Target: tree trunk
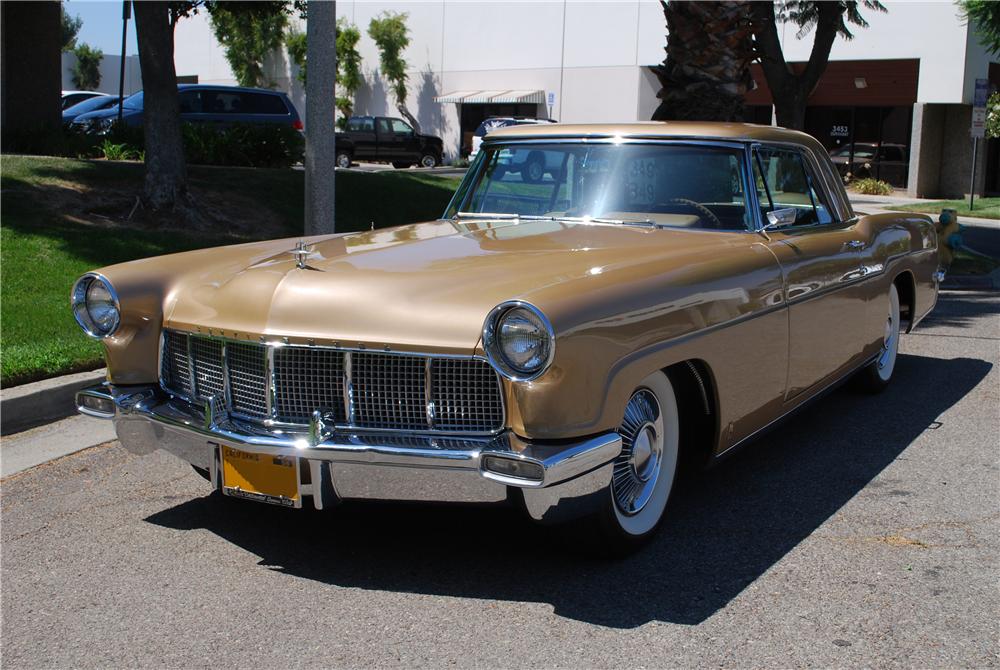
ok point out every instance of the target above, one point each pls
(706, 73)
(31, 80)
(166, 173)
(789, 90)
(321, 133)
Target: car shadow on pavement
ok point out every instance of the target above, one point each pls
(725, 527)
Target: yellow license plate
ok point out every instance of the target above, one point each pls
(261, 477)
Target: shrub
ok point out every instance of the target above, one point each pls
(239, 145)
(243, 145)
(87, 70)
(119, 151)
(871, 186)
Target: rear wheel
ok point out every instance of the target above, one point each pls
(643, 474)
(343, 159)
(877, 375)
(401, 165)
(533, 169)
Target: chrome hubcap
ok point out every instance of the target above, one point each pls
(638, 466)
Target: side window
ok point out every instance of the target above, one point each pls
(354, 125)
(383, 127)
(786, 181)
(263, 103)
(190, 102)
(401, 127)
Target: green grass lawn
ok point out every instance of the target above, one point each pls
(985, 208)
(61, 217)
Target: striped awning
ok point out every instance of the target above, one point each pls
(526, 96)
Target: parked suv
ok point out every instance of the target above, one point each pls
(205, 103)
(386, 139)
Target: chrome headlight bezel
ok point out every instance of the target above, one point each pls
(494, 350)
(81, 308)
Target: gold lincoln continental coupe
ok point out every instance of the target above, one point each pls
(565, 342)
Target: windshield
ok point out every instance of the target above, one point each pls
(134, 101)
(691, 186)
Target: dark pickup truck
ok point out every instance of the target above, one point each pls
(386, 140)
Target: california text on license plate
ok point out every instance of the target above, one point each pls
(261, 477)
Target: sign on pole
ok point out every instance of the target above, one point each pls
(979, 109)
(977, 131)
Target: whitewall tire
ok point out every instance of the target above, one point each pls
(877, 375)
(644, 473)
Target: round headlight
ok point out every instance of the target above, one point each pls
(519, 340)
(95, 305)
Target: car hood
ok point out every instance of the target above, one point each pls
(111, 112)
(421, 286)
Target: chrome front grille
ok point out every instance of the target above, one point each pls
(353, 389)
(307, 379)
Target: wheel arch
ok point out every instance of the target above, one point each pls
(907, 288)
(697, 406)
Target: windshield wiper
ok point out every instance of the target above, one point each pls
(571, 219)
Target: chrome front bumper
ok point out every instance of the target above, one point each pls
(567, 479)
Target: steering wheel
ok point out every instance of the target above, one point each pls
(701, 209)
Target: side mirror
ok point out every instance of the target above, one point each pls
(779, 218)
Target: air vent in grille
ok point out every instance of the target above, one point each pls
(359, 389)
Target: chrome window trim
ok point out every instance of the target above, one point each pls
(271, 345)
(833, 195)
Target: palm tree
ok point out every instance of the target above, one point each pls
(707, 69)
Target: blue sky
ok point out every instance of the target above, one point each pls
(102, 25)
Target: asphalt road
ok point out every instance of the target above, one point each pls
(865, 531)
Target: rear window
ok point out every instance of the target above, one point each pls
(361, 125)
(492, 124)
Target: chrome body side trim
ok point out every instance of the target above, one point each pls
(365, 465)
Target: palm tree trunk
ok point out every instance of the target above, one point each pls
(706, 73)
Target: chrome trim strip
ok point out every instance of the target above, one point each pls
(192, 386)
(428, 394)
(226, 392)
(349, 411)
(270, 403)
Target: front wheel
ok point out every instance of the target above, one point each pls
(428, 160)
(644, 472)
(877, 375)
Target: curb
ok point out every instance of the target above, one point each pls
(30, 405)
(988, 282)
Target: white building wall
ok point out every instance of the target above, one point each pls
(591, 55)
(929, 31)
(110, 72)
